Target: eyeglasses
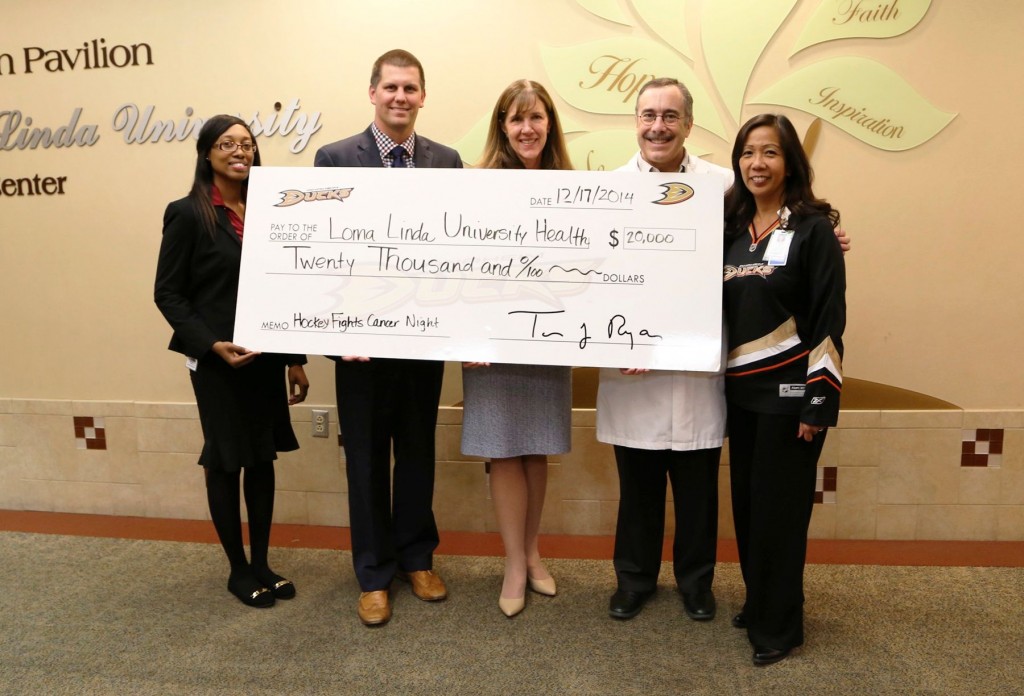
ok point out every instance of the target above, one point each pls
(669, 118)
(231, 146)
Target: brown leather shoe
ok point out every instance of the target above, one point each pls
(426, 584)
(374, 608)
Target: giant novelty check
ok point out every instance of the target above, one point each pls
(612, 269)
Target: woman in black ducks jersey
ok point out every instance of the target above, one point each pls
(785, 311)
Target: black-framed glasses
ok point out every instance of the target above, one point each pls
(669, 118)
(231, 146)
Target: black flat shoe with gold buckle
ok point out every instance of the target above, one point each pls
(282, 588)
(250, 592)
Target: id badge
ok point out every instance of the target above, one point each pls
(777, 252)
(191, 363)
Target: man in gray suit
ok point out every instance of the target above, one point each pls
(387, 402)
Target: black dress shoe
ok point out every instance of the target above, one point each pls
(700, 605)
(625, 604)
(769, 656)
(739, 621)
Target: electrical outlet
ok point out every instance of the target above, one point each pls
(321, 423)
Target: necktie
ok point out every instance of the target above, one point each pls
(398, 155)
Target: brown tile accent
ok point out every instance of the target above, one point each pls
(90, 433)
(979, 446)
(825, 485)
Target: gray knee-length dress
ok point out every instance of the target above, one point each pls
(516, 410)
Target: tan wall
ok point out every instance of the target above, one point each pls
(882, 475)
(933, 307)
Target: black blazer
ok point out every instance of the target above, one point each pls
(197, 279)
(361, 151)
(196, 285)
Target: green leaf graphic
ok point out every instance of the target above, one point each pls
(734, 35)
(603, 77)
(811, 138)
(665, 18)
(569, 124)
(862, 97)
(604, 150)
(875, 20)
(606, 9)
(471, 146)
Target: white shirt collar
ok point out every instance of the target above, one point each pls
(645, 166)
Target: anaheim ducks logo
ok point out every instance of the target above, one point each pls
(750, 269)
(675, 192)
(292, 196)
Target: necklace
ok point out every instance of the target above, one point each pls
(756, 238)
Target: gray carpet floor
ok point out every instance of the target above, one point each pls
(117, 616)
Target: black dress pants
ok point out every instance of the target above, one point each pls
(640, 531)
(382, 404)
(772, 472)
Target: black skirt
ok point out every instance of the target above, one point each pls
(243, 411)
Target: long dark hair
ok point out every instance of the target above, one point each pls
(203, 179)
(797, 194)
(498, 152)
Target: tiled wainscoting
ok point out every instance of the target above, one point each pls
(935, 475)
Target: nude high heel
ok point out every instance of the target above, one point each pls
(510, 606)
(545, 587)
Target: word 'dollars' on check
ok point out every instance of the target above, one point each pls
(611, 269)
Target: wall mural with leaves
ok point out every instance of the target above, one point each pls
(715, 48)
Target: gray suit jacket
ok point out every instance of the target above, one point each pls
(361, 151)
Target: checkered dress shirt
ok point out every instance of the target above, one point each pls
(386, 145)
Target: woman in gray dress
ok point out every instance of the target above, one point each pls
(516, 415)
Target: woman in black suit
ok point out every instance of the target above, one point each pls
(241, 394)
